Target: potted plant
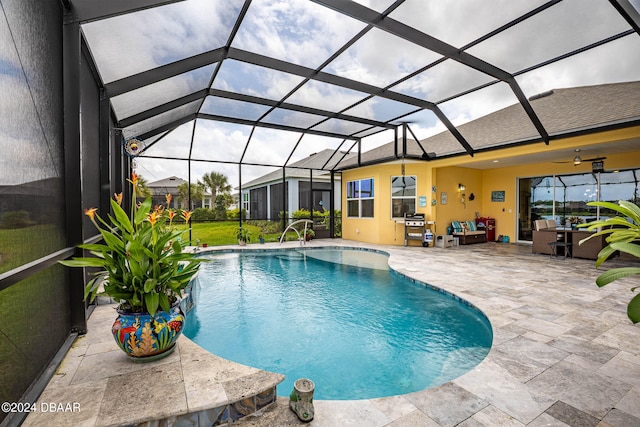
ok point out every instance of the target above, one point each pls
(573, 221)
(143, 268)
(243, 235)
(261, 238)
(309, 233)
(623, 234)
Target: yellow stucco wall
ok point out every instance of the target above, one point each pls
(382, 228)
(446, 174)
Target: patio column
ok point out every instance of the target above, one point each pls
(72, 57)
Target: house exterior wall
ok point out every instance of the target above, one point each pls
(382, 228)
(446, 174)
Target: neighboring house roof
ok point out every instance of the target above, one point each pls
(171, 182)
(300, 169)
(169, 185)
(561, 111)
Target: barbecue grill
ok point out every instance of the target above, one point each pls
(414, 229)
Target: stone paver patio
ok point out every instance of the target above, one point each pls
(564, 352)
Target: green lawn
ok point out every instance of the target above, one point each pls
(224, 233)
(19, 246)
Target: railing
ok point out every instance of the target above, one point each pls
(302, 239)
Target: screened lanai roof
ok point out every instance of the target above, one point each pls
(268, 82)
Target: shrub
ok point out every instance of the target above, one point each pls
(301, 214)
(234, 214)
(221, 207)
(203, 214)
(16, 219)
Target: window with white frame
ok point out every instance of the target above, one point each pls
(403, 195)
(360, 198)
(245, 201)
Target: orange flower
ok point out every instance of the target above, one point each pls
(186, 215)
(134, 179)
(118, 198)
(171, 213)
(167, 197)
(91, 213)
(153, 217)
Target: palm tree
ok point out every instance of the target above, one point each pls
(217, 183)
(197, 193)
(142, 191)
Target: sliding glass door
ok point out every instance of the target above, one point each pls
(565, 198)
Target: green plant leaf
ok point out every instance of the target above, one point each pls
(92, 287)
(151, 302)
(142, 211)
(113, 241)
(95, 247)
(164, 302)
(83, 262)
(627, 247)
(633, 309)
(604, 254)
(150, 284)
(631, 210)
(615, 274)
(121, 218)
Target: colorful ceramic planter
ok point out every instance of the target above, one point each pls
(144, 337)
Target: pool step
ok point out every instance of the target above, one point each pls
(292, 256)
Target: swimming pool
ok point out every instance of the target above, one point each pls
(337, 316)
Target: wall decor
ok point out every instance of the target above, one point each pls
(497, 196)
(443, 198)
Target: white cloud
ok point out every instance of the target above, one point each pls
(479, 103)
(558, 30)
(615, 62)
(325, 96)
(150, 96)
(462, 21)
(131, 43)
(297, 31)
(379, 58)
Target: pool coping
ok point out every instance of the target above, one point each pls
(562, 348)
(191, 386)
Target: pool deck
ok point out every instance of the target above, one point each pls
(563, 354)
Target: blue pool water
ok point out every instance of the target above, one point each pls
(339, 317)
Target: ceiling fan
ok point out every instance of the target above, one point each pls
(577, 159)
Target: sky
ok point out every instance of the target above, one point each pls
(305, 33)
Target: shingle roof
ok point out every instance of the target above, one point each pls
(561, 111)
(172, 181)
